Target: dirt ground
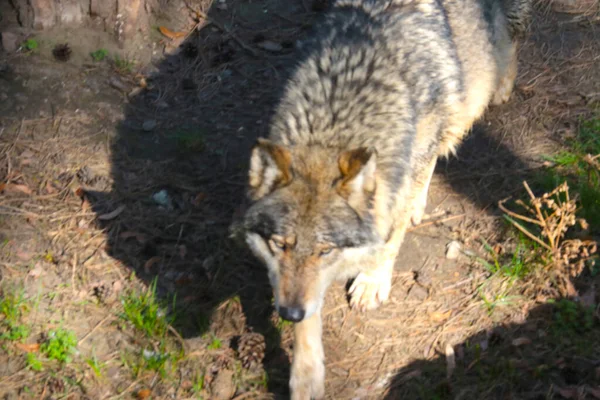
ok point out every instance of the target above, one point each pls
(119, 173)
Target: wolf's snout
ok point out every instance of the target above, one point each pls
(294, 314)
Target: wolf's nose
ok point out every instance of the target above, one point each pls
(294, 314)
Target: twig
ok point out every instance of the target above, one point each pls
(515, 215)
(529, 235)
(412, 228)
(540, 218)
(94, 329)
(73, 268)
(221, 27)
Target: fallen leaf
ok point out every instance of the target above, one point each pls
(522, 341)
(2, 186)
(184, 280)
(182, 251)
(36, 271)
(588, 299)
(594, 391)
(170, 34)
(140, 237)
(50, 189)
(567, 393)
(14, 188)
(113, 214)
(29, 348)
(450, 361)
(270, 46)
(198, 199)
(23, 255)
(143, 394)
(117, 286)
(438, 316)
(148, 264)
(79, 192)
(410, 375)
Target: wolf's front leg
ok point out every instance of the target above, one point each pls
(372, 287)
(308, 369)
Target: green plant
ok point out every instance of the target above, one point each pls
(198, 385)
(123, 65)
(146, 313)
(30, 44)
(579, 166)
(282, 324)
(99, 54)
(95, 365)
(572, 317)
(60, 345)
(514, 267)
(13, 306)
(190, 140)
(215, 344)
(33, 362)
(155, 361)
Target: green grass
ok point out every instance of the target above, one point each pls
(30, 45)
(123, 65)
(33, 362)
(582, 177)
(99, 55)
(13, 306)
(61, 345)
(513, 267)
(571, 318)
(146, 313)
(198, 384)
(190, 140)
(95, 365)
(215, 344)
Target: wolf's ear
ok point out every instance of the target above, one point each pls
(270, 167)
(358, 172)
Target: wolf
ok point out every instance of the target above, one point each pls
(381, 89)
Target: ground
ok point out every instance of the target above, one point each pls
(120, 179)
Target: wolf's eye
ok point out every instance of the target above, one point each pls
(278, 243)
(325, 251)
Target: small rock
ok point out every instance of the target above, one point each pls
(135, 92)
(162, 198)
(118, 84)
(223, 388)
(10, 42)
(149, 125)
(521, 341)
(270, 46)
(453, 250)
(417, 292)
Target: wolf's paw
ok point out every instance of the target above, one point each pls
(368, 291)
(417, 216)
(503, 92)
(308, 380)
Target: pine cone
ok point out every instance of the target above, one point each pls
(62, 52)
(103, 292)
(56, 385)
(251, 349)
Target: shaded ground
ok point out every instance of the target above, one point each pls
(119, 174)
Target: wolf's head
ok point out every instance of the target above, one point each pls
(311, 215)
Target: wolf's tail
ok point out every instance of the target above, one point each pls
(518, 14)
